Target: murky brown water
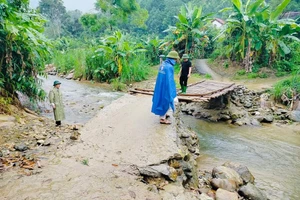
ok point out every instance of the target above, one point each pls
(82, 100)
(272, 153)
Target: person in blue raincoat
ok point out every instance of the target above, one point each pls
(165, 88)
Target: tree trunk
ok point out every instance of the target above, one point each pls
(247, 60)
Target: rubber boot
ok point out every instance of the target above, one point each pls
(184, 90)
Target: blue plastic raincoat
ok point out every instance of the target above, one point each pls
(165, 88)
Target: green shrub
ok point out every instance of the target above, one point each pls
(226, 64)
(288, 86)
(252, 75)
(290, 63)
(208, 76)
(263, 75)
(65, 61)
(4, 105)
(117, 85)
(136, 70)
(241, 72)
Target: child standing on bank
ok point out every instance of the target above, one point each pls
(185, 72)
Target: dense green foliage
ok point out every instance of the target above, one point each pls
(161, 13)
(96, 47)
(255, 36)
(117, 56)
(115, 15)
(189, 32)
(23, 49)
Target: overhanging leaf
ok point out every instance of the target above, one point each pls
(253, 7)
(279, 9)
(284, 47)
(238, 5)
(292, 37)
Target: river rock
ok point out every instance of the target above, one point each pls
(259, 118)
(159, 170)
(281, 111)
(242, 170)
(248, 104)
(268, 118)
(47, 142)
(20, 147)
(40, 142)
(149, 171)
(224, 117)
(75, 135)
(249, 191)
(70, 76)
(255, 122)
(5, 152)
(239, 122)
(227, 173)
(204, 196)
(173, 174)
(39, 137)
(225, 184)
(296, 105)
(52, 73)
(176, 192)
(295, 116)
(225, 195)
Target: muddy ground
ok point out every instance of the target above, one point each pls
(101, 164)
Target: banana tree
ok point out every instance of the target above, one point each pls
(190, 27)
(152, 47)
(253, 29)
(116, 52)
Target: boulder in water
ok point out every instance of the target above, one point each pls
(242, 170)
(268, 119)
(227, 173)
(295, 116)
(249, 191)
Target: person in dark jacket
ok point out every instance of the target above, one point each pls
(165, 88)
(185, 72)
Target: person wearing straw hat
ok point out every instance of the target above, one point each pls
(165, 88)
(55, 98)
(185, 72)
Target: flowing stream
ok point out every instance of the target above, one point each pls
(82, 100)
(272, 153)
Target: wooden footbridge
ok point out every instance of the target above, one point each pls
(201, 91)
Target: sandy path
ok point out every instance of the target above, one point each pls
(203, 68)
(253, 84)
(123, 135)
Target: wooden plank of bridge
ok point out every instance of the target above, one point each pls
(198, 92)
